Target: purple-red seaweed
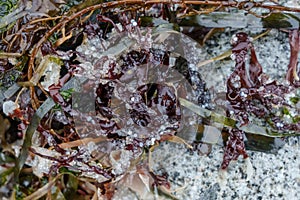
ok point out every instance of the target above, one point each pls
(249, 93)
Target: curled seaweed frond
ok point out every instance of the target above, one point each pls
(249, 94)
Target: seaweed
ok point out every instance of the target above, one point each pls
(89, 91)
(248, 93)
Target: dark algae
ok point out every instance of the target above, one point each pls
(90, 89)
(251, 95)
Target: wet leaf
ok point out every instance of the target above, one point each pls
(264, 144)
(34, 123)
(242, 20)
(281, 20)
(229, 122)
(207, 113)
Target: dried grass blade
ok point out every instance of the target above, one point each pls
(43, 190)
(228, 53)
(82, 142)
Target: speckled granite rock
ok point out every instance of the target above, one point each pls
(276, 176)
